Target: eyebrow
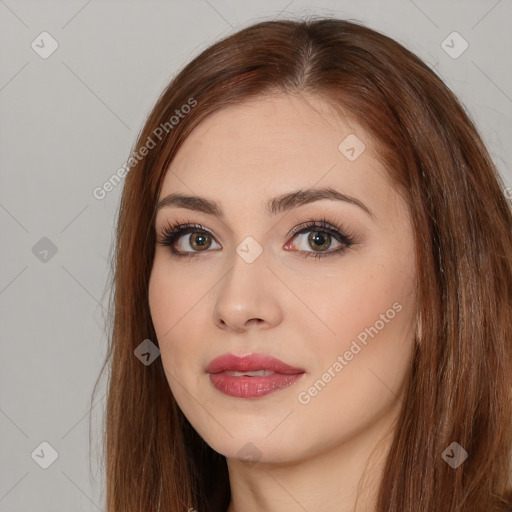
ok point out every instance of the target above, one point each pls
(280, 204)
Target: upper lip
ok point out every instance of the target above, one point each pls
(252, 362)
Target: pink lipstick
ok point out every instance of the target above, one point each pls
(251, 376)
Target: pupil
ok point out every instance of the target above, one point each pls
(199, 240)
(319, 239)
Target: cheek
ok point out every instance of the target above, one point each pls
(367, 294)
(175, 305)
(357, 376)
(161, 302)
(171, 298)
(167, 306)
(368, 321)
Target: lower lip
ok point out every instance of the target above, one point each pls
(252, 387)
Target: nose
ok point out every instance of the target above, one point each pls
(248, 297)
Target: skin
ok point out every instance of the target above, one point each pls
(303, 311)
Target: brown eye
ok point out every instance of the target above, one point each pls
(320, 239)
(318, 242)
(199, 241)
(321, 236)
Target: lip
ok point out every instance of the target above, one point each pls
(251, 362)
(251, 386)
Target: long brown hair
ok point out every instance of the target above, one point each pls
(460, 382)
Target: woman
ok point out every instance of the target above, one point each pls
(316, 240)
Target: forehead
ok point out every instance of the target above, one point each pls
(277, 128)
(274, 144)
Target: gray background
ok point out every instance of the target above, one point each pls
(69, 121)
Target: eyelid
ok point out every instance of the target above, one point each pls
(179, 229)
(175, 230)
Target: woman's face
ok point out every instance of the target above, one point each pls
(256, 278)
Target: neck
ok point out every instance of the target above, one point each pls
(344, 477)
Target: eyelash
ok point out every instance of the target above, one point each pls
(173, 231)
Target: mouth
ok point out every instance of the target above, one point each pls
(254, 373)
(250, 364)
(251, 376)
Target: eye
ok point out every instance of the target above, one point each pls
(199, 239)
(322, 235)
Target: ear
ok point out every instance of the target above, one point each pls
(419, 331)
